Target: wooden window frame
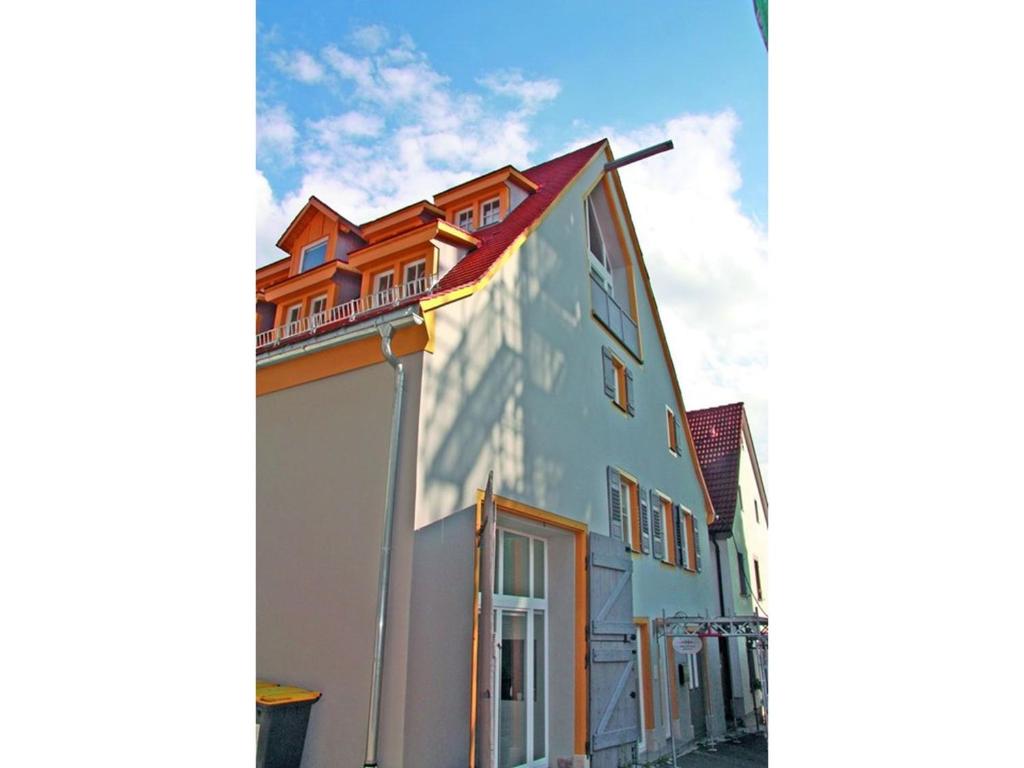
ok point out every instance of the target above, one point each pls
(413, 264)
(483, 205)
(621, 398)
(757, 579)
(689, 540)
(629, 487)
(643, 645)
(669, 530)
(314, 300)
(316, 244)
(458, 215)
(670, 424)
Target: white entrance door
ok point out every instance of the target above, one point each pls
(521, 632)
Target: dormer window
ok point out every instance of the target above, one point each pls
(415, 276)
(464, 220)
(314, 255)
(490, 212)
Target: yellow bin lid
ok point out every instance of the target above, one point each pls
(271, 694)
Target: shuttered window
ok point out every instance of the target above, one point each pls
(689, 541)
(667, 515)
(679, 539)
(672, 425)
(645, 522)
(618, 381)
(658, 526)
(625, 510)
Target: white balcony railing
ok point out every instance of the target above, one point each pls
(348, 310)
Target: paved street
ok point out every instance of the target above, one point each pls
(742, 752)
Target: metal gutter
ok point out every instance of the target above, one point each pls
(399, 319)
(386, 328)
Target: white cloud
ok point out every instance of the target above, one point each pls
(371, 37)
(532, 93)
(707, 259)
(275, 135)
(330, 131)
(403, 133)
(300, 66)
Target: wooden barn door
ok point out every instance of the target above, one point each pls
(614, 680)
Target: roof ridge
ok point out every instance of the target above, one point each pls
(591, 146)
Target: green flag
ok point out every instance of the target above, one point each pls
(761, 12)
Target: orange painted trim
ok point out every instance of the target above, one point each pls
(709, 508)
(419, 236)
(691, 543)
(376, 230)
(308, 280)
(314, 205)
(334, 360)
(581, 670)
(476, 200)
(645, 670)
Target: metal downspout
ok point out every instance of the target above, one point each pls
(373, 719)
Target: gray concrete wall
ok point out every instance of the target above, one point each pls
(440, 638)
(321, 459)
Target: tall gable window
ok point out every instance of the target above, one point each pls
(314, 255)
(618, 382)
(598, 253)
(611, 274)
(490, 212)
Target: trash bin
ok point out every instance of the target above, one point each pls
(282, 714)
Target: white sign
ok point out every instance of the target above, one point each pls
(686, 645)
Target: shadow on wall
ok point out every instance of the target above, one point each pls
(503, 399)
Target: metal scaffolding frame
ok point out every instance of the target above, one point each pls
(753, 628)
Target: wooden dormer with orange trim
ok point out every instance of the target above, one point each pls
(485, 200)
(411, 257)
(400, 222)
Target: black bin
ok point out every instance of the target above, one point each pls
(282, 714)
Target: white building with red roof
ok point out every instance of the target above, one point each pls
(507, 329)
(739, 538)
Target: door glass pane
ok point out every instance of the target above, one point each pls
(512, 701)
(539, 686)
(515, 566)
(538, 568)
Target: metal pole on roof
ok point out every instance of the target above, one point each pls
(642, 154)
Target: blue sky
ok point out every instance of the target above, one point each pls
(371, 106)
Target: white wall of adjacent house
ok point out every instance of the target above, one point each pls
(749, 542)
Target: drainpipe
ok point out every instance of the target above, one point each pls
(384, 577)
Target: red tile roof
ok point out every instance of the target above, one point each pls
(551, 177)
(717, 433)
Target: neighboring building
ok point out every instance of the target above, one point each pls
(740, 536)
(524, 317)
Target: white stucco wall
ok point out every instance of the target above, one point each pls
(515, 385)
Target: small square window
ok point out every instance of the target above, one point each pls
(314, 255)
(489, 212)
